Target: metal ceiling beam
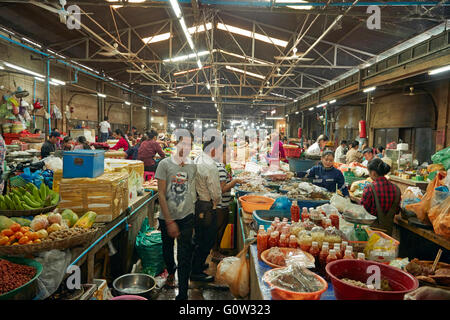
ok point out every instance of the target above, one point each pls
(212, 85)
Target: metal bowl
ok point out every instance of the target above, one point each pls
(365, 221)
(134, 284)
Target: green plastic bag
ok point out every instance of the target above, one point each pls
(149, 250)
(443, 157)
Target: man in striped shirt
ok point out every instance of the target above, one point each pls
(223, 209)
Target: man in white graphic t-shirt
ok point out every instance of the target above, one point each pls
(105, 127)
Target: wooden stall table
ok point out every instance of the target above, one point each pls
(130, 220)
(420, 243)
(403, 184)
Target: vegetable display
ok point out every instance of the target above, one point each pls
(29, 198)
(13, 276)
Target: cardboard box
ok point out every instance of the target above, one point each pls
(106, 195)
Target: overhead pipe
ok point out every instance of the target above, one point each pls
(72, 66)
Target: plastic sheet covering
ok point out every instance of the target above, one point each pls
(299, 258)
(294, 278)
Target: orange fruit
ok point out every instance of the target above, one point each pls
(7, 232)
(25, 229)
(12, 238)
(15, 227)
(29, 242)
(23, 240)
(3, 240)
(15, 244)
(37, 241)
(18, 235)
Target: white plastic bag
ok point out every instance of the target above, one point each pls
(235, 272)
(328, 209)
(339, 202)
(53, 163)
(447, 179)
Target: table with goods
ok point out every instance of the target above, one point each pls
(311, 244)
(43, 230)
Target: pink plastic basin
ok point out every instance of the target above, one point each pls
(401, 282)
(129, 297)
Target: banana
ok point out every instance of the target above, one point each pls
(30, 202)
(9, 203)
(36, 195)
(42, 192)
(55, 199)
(17, 202)
(3, 205)
(27, 207)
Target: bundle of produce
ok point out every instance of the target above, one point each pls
(29, 198)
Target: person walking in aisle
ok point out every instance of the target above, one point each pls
(209, 194)
(105, 127)
(148, 150)
(176, 188)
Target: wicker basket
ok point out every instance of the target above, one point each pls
(24, 213)
(50, 245)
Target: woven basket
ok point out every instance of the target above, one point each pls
(24, 213)
(49, 245)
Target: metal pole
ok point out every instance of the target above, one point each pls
(48, 97)
(369, 95)
(34, 100)
(303, 129)
(326, 121)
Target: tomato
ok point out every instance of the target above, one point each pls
(18, 235)
(15, 227)
(25, 229)
(32, 235)
(12, 238)
(3, 240)
(23, 240)
(37, 241)
(7, 232)
(28, 234)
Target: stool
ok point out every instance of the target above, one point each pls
(149, 175)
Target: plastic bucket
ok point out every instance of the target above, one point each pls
(296, 165)
(129, 297)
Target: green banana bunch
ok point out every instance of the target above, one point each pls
(29, 198)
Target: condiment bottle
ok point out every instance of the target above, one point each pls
(295, 212)
(337, 249)
(277, 236)
(261, 228)
(285, 220)
(348, 255)
(284, 242)
(324, 254)
(326, 223)
(343, 247)
(305, 214)
(262, 241)
(273, 241)
(331, 256)
(293, 242)
(277, 219)
(351, 251)
(270, 230)
(285, 230)
(305, 242)
(315, 251)
(361, 256)
(334, 220)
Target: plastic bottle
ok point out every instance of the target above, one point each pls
(295, 212)
(293, 242)
(326, 222)
(262, 241)
(315, 251)
(305, 242)
(277, 236)
(273, 241)
(261, 228)
(344, 245)
(351, 251)
(348, 255)
(361, 256)
(331, 256)
(334, 220)
(284, 242)
(285, 220)
(285, 231)
(270, 230)
(337, 250)
(277, 219)
(324, 254)
(305, 214)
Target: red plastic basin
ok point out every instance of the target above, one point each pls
(401, 282)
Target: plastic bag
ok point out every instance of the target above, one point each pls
(53, 163)
(34, 177)
(54, 263)
(57, 112)
(380, 249)
(339, 202)
(443, 157)
(360, 172)
(439, 216)
(447, 179)
(412, 193)
(235, 272)
(421, 208)
(149, 250)
(294, 278)
(328, 209)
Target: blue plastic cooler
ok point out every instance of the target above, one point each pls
(83, 163)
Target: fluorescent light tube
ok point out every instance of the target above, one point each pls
(439, 70)
(199, 63)
(250, 34)
(101, 95)
(310, 109)
(13, 66)
(369, 89)
(127, 103)
(157, 38)
(58, 81)
(176, 8)
(332, 101)
(245, 72)
(32, 42)
(274, 118)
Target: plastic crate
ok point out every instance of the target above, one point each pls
(83, 163)
(296, 165)
(293, 152)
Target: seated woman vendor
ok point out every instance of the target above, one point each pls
(382, 197)
(325, 175)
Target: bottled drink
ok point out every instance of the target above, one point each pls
(277, 236)
(326, 222)
(270, 230)
(284, 242)
(350, 248)
(285, 220)
(337, 250)
(285, 230)
(305, 214)
(324, 254)
(293, 242)
(315, 251)
(343, 247)
(261, 228)
(273, 241)
(361, 256)
(348, 255)
(334, 220)
(305, 242)
(276, 219)
(295, 212)
(262, 241)
(331, 256)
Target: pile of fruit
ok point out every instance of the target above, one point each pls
(44, 227)
(29, 198)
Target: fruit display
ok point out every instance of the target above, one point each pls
(13, 275)
(45, 227)
(29, 198)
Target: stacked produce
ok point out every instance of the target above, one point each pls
(44, 228)
(306, 191)
(13, 276)
(29, 198)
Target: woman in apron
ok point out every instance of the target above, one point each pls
(382, 197)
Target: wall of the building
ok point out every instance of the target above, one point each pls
(85, 106)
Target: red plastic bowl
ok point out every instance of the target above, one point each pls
(401, 282)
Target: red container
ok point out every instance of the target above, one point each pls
(401, 282)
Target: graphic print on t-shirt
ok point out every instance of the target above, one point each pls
(178, 188)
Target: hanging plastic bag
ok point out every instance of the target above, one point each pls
(421, 208)
(443, 157)
(34, 177)
(57, 112)
(149, 250)
(439, 216)
(235, 272)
